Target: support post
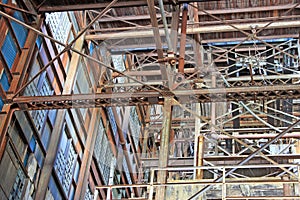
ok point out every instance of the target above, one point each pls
(174, 28)
(146, 134)
(158, 43)
(199, 147)
(183, 39)
(213, 109)
(286, 187)
(87, 156)
(164, 148)
(224, 184)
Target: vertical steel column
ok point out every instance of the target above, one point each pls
(57, 129)
(224, 184)
(298, 48)
(196, 41)
(183, 39)
(199, 139)
(164, 148)
(157, 39)
(125, 151)
(174, 28)
(87, 156)
(111, 179)
(199, 144)
(96, 194)
(146, 133)
(213, 104)
(164, 19)
(297, 185)
(286, 187)
(151, 189)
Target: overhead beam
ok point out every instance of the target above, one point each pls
(203, 29)
(92, 6)
(201, 13)
(152, 97)
(217, 160)
(229, 40)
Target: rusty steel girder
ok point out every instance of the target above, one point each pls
(154, 97)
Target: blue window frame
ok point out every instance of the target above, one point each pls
(4, 2)
(39, 41)
(5, 85)
(9, 50)
(1, 104)
(20, 31)
(4, 81)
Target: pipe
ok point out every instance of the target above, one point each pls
(164, 19)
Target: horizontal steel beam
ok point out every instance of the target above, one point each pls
(229, 79)
(203, 29)
(61, 6)
(219, 160)
(154, 97)
(213, 12)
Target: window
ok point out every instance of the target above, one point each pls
(65, 161)
(46, 135)
(17, 189)
(103, 153)
(39, 87)
(134, 126)
(56, 21)
(112, 121)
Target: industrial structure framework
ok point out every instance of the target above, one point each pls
(149, 99)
